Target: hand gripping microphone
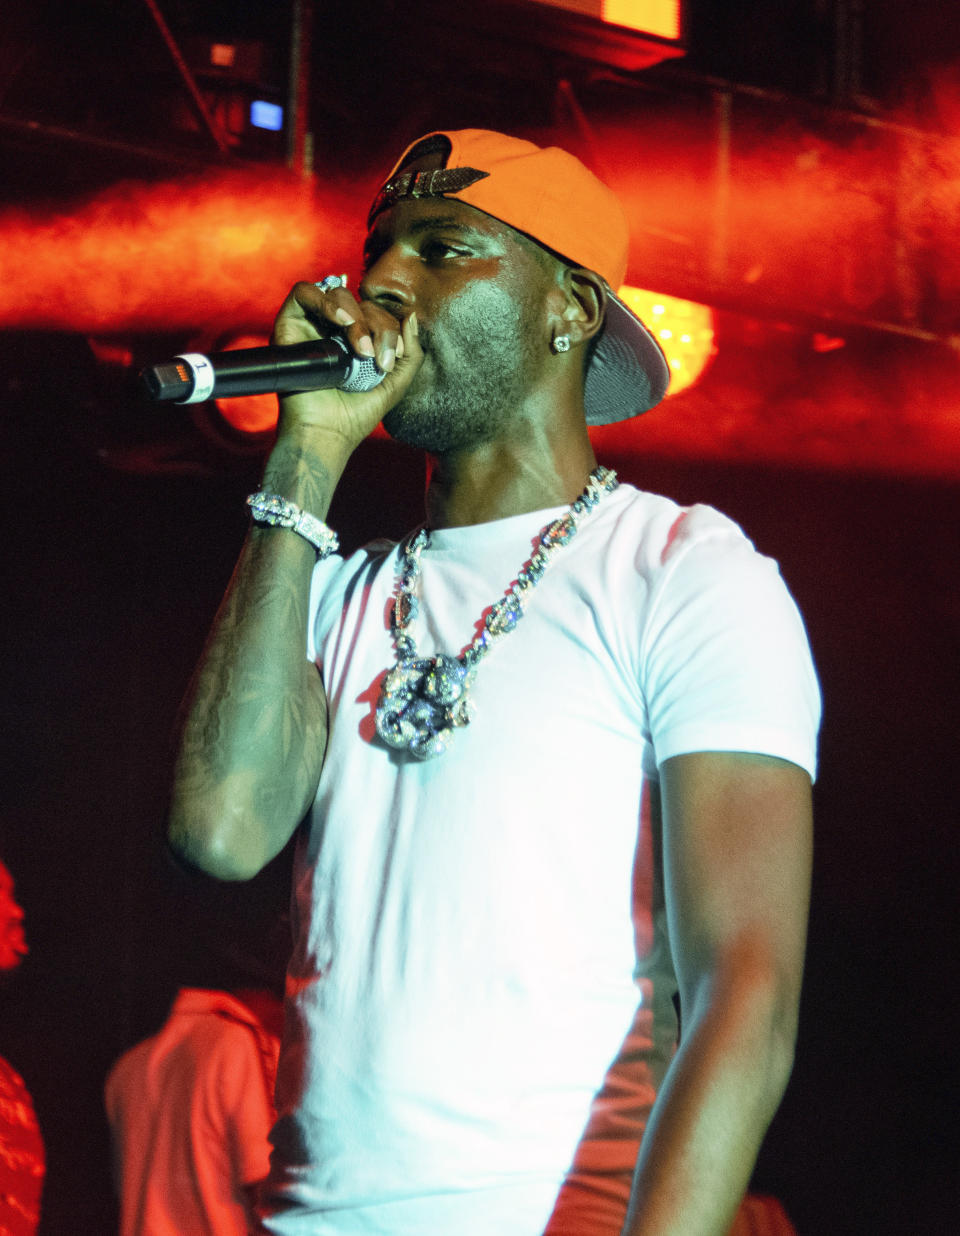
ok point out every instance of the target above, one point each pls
(317, 364)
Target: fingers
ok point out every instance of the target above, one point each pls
(370, 330)
(309, 313)
(409, 356)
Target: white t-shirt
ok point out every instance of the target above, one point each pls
(480, 992)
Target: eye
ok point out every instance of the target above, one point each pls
(437, 250)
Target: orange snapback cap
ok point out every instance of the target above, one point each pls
(551, 197)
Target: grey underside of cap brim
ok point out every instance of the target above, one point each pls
(628, 374)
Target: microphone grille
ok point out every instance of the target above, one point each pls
(362, 375)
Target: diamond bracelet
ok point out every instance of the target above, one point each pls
(278, 512)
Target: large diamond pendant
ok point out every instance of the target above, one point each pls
(421, 703)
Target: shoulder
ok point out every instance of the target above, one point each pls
(723, 659)
(654, 536)
(678, 549)
(655, 520)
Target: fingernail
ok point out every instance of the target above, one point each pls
(388, 359)
(344, 318)
(415, 325)
(365, 346)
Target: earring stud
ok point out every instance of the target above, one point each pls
(561, 344)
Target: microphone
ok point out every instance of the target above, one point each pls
(317, 364)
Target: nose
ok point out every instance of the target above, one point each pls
(388, 281)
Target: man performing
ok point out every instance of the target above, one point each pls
(554, 752)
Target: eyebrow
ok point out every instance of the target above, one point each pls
(437, 222)
(417, 227)
(430, 223)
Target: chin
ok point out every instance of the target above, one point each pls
(424, 429)
(440, 426)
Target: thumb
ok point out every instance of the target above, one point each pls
(396, 383)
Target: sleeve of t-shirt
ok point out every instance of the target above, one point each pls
(332, 579)
(726, 664)
(323, 573)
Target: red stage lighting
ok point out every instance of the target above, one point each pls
(683, 328)
(248, 414)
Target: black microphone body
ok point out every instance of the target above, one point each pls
(317, 364)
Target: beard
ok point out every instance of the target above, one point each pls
(478, 366)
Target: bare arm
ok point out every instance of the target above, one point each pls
(737, 854)
(255, 726)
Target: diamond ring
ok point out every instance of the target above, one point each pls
(331, 282)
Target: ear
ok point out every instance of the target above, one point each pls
(582, 306)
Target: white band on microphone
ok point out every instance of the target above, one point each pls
(203, 376)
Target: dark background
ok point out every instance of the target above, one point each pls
(116, 558)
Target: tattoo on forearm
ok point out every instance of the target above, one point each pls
(290, 464)
(252, 706)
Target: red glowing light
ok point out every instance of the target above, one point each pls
(210, 255)
(250, 414)
(683, 329)
(823, 342)
(207, 253)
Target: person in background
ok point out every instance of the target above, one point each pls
(22, 1157)
(190, 1110)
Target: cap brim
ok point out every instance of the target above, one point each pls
(628, 373)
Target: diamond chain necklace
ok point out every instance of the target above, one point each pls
(423, 700)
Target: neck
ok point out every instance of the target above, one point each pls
(498, 480)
